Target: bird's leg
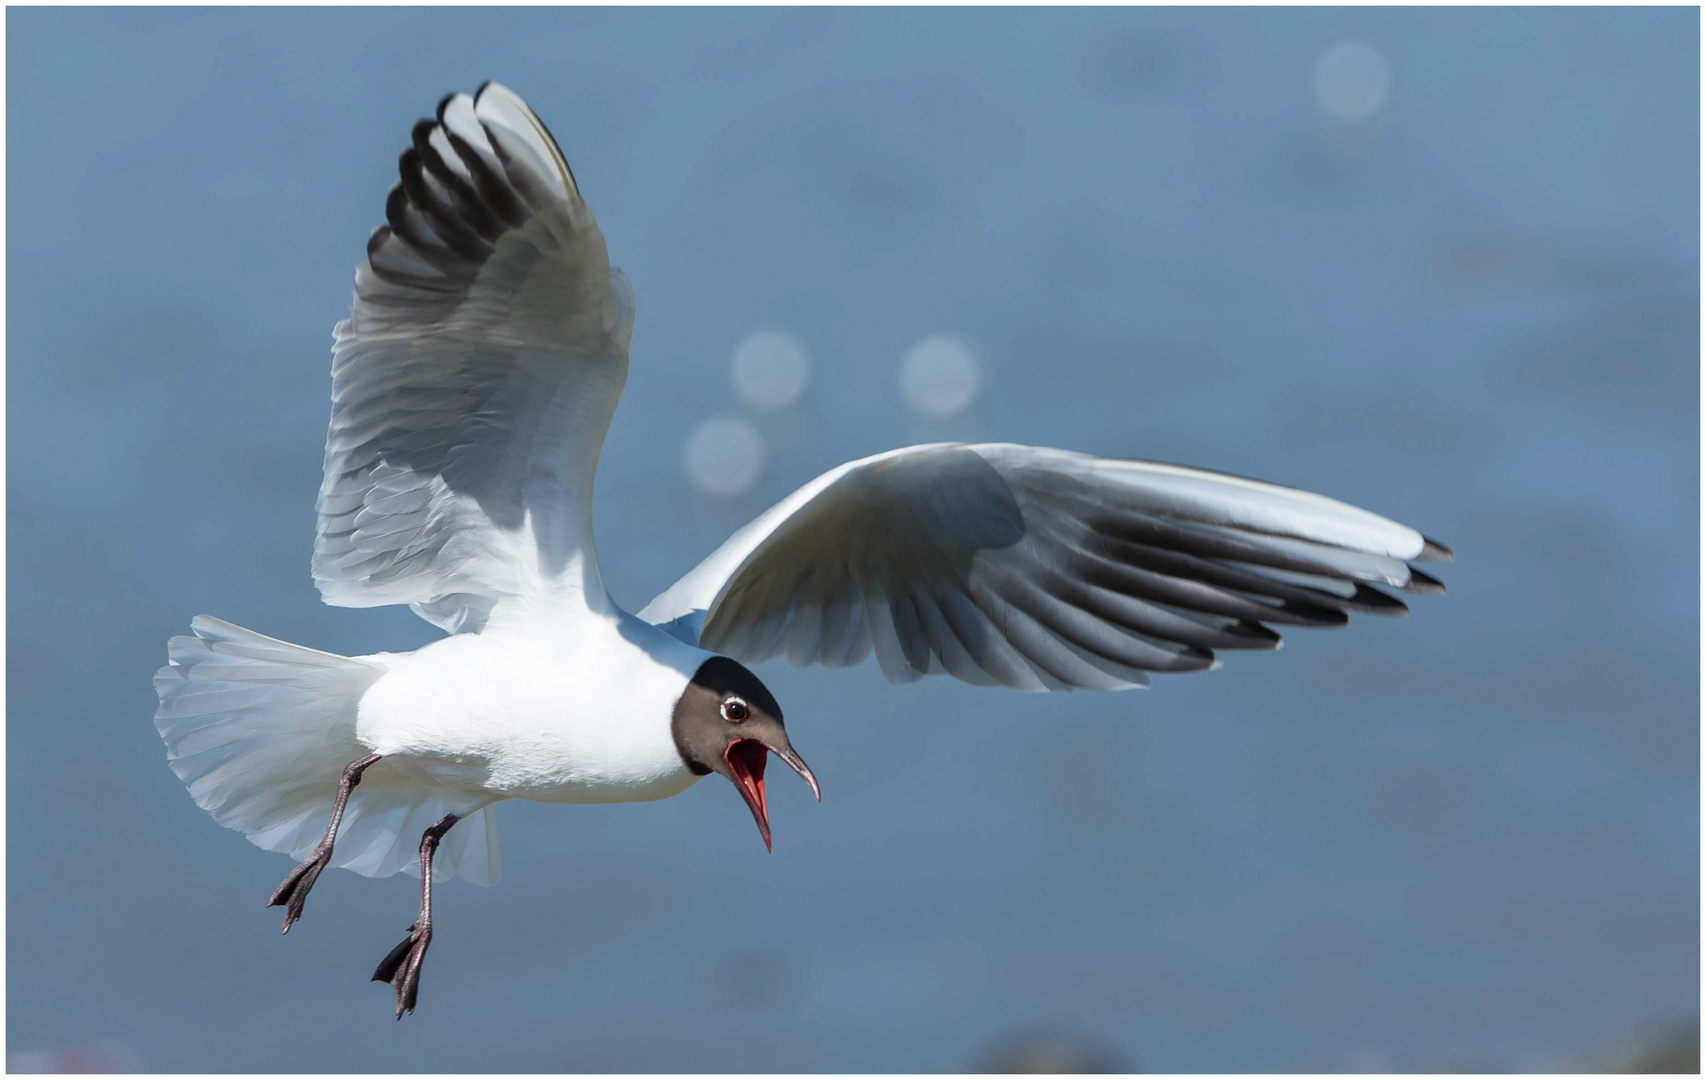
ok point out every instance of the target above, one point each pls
(292, 892)
(402, 965)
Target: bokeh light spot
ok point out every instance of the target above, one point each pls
(723, 455)
(940, 375)
(1352, 81)
(770, 368)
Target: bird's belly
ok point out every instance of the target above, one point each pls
(516, 735)
(542, 762)
(569, 770)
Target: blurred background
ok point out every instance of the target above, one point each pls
(1442, 264)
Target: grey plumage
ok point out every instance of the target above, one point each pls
(1037, 569)
(476, 376)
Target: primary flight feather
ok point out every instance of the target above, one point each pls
(472, 387)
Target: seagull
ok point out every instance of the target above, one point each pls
(472, 387)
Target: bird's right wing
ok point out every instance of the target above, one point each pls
(474, 381)
(1036, 569)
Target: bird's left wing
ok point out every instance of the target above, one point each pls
(1036, 569)
(475, 378)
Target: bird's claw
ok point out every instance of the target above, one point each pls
(402, 967)
(292, 892)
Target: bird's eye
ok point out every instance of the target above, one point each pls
(734, 710)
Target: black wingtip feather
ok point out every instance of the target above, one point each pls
(1188, 658)
(1312, 616)
(465, 199)
(493, 189)
(396, 201)
(418, 235)
(376, 240)
(1434, 551)
(1424, 584)
(458, 234)
(1374, 602)
(1252, 635)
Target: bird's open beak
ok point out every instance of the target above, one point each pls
(746, 758)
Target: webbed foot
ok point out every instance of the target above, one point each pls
(402, 967)
(292, 892)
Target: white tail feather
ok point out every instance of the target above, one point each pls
(260, 730)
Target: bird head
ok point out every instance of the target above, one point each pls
(727, 722)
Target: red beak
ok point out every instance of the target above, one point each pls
(746, 759)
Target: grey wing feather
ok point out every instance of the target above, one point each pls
(474, 381)
(1037, 569)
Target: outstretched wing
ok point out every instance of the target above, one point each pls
(1036, 569)
(474, 381)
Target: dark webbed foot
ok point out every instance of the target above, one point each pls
(402, 967)
(292, 892)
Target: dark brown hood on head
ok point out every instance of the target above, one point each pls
(702, 733)
(727, 722)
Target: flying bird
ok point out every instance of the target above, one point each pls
(472, 387)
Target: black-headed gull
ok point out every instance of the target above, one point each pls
(472, 387)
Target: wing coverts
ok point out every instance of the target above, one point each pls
(474, 381)
(1037, 569)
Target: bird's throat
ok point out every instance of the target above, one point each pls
(746, 759)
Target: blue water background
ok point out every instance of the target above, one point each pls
(1471, 832)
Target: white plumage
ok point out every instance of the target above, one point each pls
(472, 387)
(259, 730)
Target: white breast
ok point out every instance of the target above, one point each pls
(577, 713)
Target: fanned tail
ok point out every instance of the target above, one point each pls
(260, 731)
